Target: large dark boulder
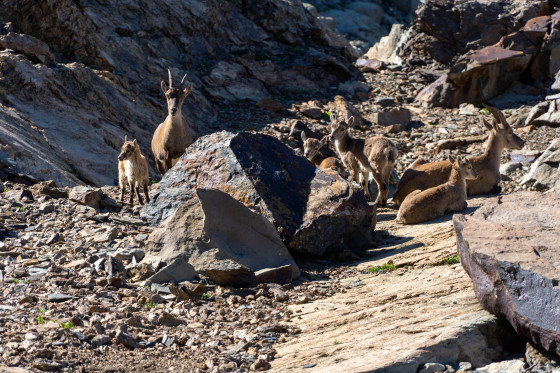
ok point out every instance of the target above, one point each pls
(509, 248)
(315, 212)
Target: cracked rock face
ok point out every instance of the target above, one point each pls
(509, 248)
(315, 212)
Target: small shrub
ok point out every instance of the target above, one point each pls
(336, 343)
(40, 320)
(205, 296)
(68, 324)
(484, 111)
(387, 267)
(150, 304)
(327, 115)
(451, 259)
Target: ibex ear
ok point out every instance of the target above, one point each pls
(323, 141)
(350, 121)
(164, 87)
(487, 125)
(451, 159)
(135, 143)
(187, 90)
(125, 139)
(303, 136)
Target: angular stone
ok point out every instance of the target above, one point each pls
(391, 117)
(509, 249)
(58, 297)
(126, 339)
(315, 212)
(86, 196)
(33, 48)
(280, 275)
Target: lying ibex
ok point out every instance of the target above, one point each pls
(311, 152)
(420, 206)
(133, 170)
(174, 135)
(375, 154)
(421, 175)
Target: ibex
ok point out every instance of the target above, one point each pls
(420, 206)
(375, 154)
(421, 175)
(174, 135)
(311, 152)
(133, 170)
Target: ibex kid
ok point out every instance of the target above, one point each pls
(133, 170)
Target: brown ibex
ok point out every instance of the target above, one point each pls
(311, 151)
(375, 154)
(420, 206)
(174, 135)
(421, 175)
(133, 170)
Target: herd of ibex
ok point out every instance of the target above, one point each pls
(425, 191)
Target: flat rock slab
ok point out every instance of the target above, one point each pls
(397, 321)
(509, 247)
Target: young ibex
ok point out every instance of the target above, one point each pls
(421, 175)
(133, 170)
(174, 135)
(311, 151)
(420, 206)
(375, 154)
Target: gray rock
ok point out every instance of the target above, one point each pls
(178, 270)
(100, 340)
(280, 275)
(392, 116)
(509, 249)
(86, 196)
(545, 171)
(46, 365)
(432, 368)
(59, 297)
(315, 212)
(126, 339)
(507, 169)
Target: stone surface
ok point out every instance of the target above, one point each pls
(315, 212)
(400, 116)
(86, 196)
(545, 170)
(280, 275)
(509, 249)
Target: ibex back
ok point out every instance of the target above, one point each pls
(174, 135)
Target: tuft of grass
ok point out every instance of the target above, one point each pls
(205, 296)
(387, 267)
(147, 287)
(14, 281)
(327, 115)
(451, 259)
(336, 343)
(21, 208)
(40, 320)
(150, 304)
(484, 111)
(68, 324)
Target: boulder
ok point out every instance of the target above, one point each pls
(31, 47)
(386, 49)
(399, 116)
(509, 248)
(86, 196)
(316, 212)
(214, 234)
(546, 113)
(545, 170)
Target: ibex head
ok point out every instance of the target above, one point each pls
(128, 149)
(339, 127)
(311, 146)
(175, 95)
(464, 166)
(500, 128)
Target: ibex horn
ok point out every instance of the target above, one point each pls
(496, 113)
(183, 80)
(170, 80)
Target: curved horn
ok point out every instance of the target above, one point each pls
(496, 113)
(183, 80)
(170, 80)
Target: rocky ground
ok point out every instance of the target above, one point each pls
(72, 297)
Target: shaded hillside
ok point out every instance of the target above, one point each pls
(82, 74)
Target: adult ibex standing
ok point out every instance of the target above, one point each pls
(174, 135)
(421, 175)
(375, 154)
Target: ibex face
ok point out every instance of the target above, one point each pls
(311, 146)
(175, 95)
(464, 166)
(502, 130)
(128, 149)
(339, 127)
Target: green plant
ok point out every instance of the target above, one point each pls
(451, 259)
(327, 115)
(336, 343)
(68, 324)
(484, 111)
(387, 267)
(21, 208)
(205, 296)
(147, 287)
(40, 320)
(150, 304)
(43, 310)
